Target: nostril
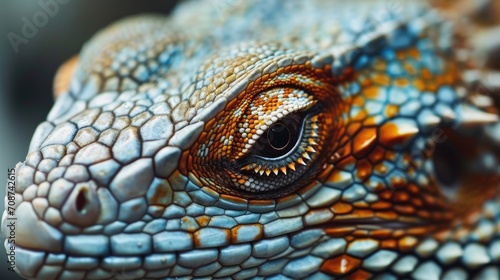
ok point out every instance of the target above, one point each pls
(82, 207)
(82, 201)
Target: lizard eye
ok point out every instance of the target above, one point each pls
(271, 140)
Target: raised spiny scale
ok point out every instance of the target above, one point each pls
(310, 149)
(284, 169)
(397, 132)
(431, 120)
(470, 116)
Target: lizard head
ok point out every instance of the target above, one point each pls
(173, 154)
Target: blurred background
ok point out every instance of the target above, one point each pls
(26, 75)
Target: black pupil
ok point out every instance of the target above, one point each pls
(447, 164)
(278, 136)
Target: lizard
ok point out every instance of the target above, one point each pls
(263, 140)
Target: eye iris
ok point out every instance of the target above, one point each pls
(278, 136)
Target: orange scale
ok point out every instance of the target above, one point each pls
(377, 154)
(381, 205)
(359, 101)
(341, 208)
(413, 188)
(241, 181)
(407, 243)
(386, 194)
(401, 196)
(433, 86)
(398, 183)
(424, 214)
(371, 92)
(353, 128)
(389, 244)
(414, 53)
(364, 169)
(339, 231)
(391, 110)
(406, 158)
(429, 200)
(319, 71)
(401, 55)
(391, 134)
(370, 121)
(399, 233)
(461, 233)
(449, 79)
(425, 74)
(448, 215)
(381, 79)
(360, 116)
(364, 141)
(405, 209)
(349, 238)
(419, 84)
(442, 236)
(361, 204)
(185, 162)
(390, 155)
(387, 215)
(419, 231)
(363, 213)
(249, 88)
(189, 164)
(340, 265)
(202, 220)
(335, 176)
(409, 69)
(381, 168)
(361, 233)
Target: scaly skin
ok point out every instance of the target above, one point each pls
(275, 140)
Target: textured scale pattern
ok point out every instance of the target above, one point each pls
(156, 162)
